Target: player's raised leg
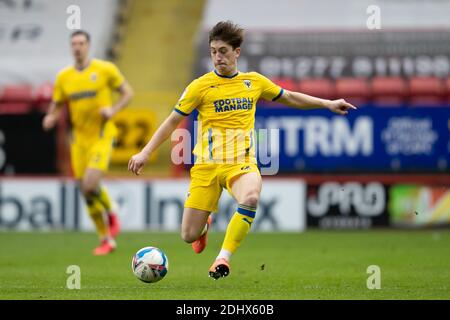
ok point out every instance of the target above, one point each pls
(246, 190)
(194, 228)
(90, 188)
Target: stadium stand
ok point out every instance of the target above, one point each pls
(33, 44)
(337, 55)
(356, 90)
(426, 91)
(318, 87)
(389, 91)
(34, 48)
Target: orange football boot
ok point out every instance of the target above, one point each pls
(105, 247)
(200, 244)
(219, 269)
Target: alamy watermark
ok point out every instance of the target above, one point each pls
(374, 280)
(73, 22)
(374, 19)
(227, 146)
(74, 278)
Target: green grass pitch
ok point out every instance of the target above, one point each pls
(309, 265)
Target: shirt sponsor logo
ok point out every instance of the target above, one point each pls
(83, 95)
(233, 104)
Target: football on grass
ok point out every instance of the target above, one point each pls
(150, 264)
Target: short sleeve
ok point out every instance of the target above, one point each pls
(115, 77)
(58, 93)
(269, 90)
(189, 100)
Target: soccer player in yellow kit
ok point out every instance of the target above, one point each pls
(225, 99)
(87, 88)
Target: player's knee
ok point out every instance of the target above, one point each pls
(88, 189)
(251, 199)
(188, 236)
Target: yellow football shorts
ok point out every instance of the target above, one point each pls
(91, 156)
(208, 180)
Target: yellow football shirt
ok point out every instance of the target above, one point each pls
(226, 106)
(86, 92)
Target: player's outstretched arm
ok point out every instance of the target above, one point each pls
(306, 102)
(138, 161)
(52, 116)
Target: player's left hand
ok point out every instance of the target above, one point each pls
(340, 106)
(107, 113)
(137, 162)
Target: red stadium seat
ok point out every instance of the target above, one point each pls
(322, 88)
(16, 93)
(389, 91)
(15, 107)
(426, 91)
(286, 83)
(43, 96)
(354, 90)
(44, 92)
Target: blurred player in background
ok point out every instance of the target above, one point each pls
(225, 99)
(87, 88)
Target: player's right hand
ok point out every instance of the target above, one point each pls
(137, 162)
(49, 122)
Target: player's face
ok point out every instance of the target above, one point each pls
(224, 57)
(80, 47)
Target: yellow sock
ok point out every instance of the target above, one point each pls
(96, 211)
(104, 198)
(238, 228)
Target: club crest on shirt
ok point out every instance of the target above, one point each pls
(248, 83)
(93, 76)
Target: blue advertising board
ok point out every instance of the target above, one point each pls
(402, 139)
